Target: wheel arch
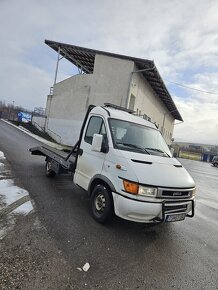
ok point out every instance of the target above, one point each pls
(100, 179)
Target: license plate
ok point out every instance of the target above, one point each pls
(175, 217)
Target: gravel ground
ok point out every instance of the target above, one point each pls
(29, 258)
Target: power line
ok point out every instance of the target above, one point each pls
(190, 88)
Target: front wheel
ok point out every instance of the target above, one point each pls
(101, 204)
(48, 171)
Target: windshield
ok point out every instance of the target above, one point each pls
(138, 138)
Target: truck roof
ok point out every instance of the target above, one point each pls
(116, 113)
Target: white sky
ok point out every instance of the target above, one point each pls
(180, 36)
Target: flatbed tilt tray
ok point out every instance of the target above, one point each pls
(57, 162)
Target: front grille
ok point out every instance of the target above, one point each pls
(176, 193)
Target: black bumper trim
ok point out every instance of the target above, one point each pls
(188, 215)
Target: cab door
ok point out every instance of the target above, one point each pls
(89, 162)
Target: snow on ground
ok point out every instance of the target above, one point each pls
(13, 199)
(25, 208)
(10, 193)
(2, 156)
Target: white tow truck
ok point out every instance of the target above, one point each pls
(126, 167)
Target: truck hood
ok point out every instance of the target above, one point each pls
(158, 171)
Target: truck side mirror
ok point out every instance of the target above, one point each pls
(100, 143)
(97, 142)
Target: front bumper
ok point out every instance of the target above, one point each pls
(150, 212)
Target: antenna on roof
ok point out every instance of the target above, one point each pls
(118, 108)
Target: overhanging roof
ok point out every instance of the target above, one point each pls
(84, 58)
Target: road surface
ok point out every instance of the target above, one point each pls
(122, 254)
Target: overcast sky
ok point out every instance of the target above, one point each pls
(180, 36)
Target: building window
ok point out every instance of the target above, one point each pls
(145, 117)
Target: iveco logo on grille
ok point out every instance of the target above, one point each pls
(177, 193)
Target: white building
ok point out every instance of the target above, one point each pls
(106, 78)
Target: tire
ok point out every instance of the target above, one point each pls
(101, 204)
(48, 171)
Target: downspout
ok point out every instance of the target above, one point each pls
(130, 81)
(49, 98)
(57, 64)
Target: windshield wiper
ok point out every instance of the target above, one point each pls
(157, 150)
(134, 146)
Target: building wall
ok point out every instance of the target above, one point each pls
(147, 102)
(66, 108)
(110, 80)
(109, 83)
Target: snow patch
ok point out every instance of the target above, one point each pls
(2, 156)
(24, 209)
(10, 193)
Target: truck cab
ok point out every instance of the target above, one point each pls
(127, 168)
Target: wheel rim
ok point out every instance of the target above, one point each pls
(100, 202)
(48, 166)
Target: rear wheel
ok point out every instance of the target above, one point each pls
(101, 203)
(48, 171)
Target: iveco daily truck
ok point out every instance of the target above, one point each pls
(127, 169)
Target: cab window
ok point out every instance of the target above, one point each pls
(95, 126)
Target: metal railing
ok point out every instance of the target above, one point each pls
(52, 132)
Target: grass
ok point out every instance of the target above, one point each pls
(190, 155)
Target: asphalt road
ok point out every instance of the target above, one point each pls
(122, 255)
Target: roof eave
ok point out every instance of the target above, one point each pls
(86, 62)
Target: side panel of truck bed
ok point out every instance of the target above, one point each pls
(54, 154)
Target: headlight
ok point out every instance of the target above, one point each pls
(147, 191)
(194, 192)
(134, 188)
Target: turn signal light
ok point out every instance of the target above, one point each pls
(130, 187)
